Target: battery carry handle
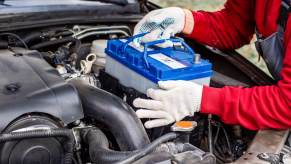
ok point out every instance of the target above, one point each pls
(156, 42)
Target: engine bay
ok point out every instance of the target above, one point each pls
(59, 105)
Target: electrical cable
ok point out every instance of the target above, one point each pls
(219, 150)
(15, 36)
(210, 134)
(74, 161)
(149, 148)
(79, 159)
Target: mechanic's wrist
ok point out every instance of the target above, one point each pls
(197, 99)
(189, 22)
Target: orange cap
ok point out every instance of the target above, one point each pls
(184, 124)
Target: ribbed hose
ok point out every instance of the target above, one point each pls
(65, 133)
(149, 148)
(100, 153)
(99, 148)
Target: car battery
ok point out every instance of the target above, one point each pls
(141, 67)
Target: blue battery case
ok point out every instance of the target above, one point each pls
(159, 64)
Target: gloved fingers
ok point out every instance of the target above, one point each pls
(157, 17)
(147, 25)
(148, 104)
(143, 113)
(166, 44)
(154, 34)
(168, 33)
(158, 123)
(137, 28)
(156, 94)
(167, 85)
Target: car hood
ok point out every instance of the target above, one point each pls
(24, 6)
(20, 14)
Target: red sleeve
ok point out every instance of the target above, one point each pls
(229, 28)
(258, 107)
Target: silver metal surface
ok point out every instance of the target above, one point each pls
(266, 141)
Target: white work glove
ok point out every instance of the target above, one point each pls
(162, 24)
(173, 102)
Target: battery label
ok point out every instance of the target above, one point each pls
(168, 61)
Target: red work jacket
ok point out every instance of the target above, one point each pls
(258, 107)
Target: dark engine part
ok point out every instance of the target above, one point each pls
(110, 110)
(112, 85)
(57, 42)
(29, 84)
(100, 153)
(30, 143)
(99, 147)
(36, 104)
(158, 151)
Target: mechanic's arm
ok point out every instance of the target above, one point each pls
(254, 108)
(230, 28)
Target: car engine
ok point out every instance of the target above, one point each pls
(58, 105)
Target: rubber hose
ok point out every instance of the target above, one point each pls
(149, 148)
(29, 39)
(99, 148)
(69, 147)
(58, 42)
(106, 108)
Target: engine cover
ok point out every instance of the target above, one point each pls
(28, 84)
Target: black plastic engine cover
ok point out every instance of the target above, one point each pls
(28, 84)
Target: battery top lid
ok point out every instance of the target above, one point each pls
(177, 62)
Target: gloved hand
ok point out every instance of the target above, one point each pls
(164, 23)
(173, 102)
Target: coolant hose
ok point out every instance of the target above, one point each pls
(65, 133)
(114, 114)
(99, 151)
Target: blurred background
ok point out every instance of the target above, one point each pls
(208, 5)
(248, 51)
